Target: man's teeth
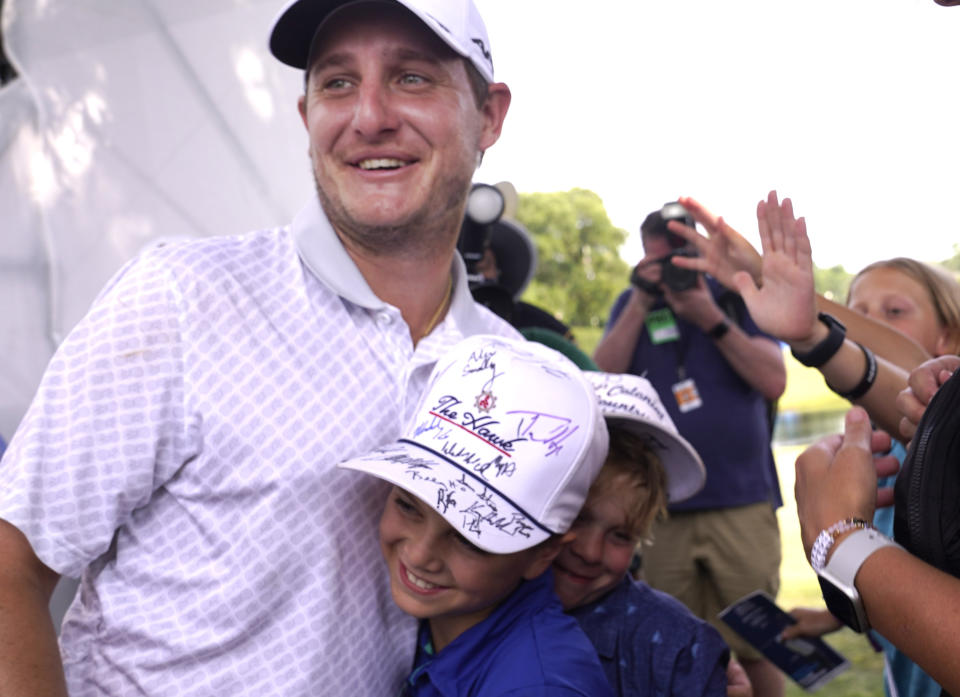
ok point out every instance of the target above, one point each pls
(419, 582)
(381, 163)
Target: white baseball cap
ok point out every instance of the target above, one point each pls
(504, 444)
(631, 402)
(457, 22)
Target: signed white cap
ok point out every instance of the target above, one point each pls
(457, 22)
(505, 443)
(631, 402)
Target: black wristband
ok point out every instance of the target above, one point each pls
(866, 382)
(648, 287)
(825, 350)
(719, 330)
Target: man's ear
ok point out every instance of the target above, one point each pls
(494, 111)
(544, 554)
(302, 108)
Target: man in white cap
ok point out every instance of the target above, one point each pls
(180, 454)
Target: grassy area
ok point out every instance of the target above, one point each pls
(587, 338)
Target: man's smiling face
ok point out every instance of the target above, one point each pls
(395, 130)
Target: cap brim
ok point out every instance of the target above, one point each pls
(477, 511)
(294, 27)
(686, 474)
(293, 30)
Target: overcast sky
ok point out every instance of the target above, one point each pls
(850, 107)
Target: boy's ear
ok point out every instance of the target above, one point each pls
(544, 554)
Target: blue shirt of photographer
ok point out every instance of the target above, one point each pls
(731, 430)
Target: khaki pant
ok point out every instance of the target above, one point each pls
(709, 559)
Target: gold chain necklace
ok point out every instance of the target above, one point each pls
(443, 304)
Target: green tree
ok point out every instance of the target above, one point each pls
(579, 271)
(832, 282)
(953, 263)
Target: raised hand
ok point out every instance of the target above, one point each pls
(723, 252)
(836, 477)
(785, 305)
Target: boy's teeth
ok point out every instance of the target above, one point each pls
(380, 163)
(419, 582)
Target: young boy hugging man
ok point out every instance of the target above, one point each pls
(648, 642)
(503, 447)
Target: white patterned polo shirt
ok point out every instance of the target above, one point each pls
(180, 456)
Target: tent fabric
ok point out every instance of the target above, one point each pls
(130, 123)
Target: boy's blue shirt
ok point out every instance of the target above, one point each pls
(527, 647)
(651, 644)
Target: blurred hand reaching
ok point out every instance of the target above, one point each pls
(785, 305)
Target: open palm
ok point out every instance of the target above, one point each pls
(784, 305)
(723, 252)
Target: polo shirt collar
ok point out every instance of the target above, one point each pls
(322, 252)
(454, 664)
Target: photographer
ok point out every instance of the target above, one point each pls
(501, 259)
(694, 340)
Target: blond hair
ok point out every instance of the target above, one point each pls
(631, 460)
(941, 286)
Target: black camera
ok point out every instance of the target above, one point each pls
(672, 276)
(498, 253)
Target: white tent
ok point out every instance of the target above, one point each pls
(129, 123)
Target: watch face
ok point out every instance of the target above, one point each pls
(843, 606)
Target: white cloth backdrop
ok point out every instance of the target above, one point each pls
(130, 122)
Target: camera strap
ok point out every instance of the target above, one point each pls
(685, 389)
(663, 328)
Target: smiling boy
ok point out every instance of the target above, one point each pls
(504, 445)
(648, 642)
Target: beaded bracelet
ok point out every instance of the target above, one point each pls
(826, 538)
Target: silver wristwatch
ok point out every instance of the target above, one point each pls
(837, 577)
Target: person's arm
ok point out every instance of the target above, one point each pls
(893, 346)
(846, 368)
(724, 251)
(917, 608)
(914, 605)
(756, 359)
(615, 350)
(785, 307)
(29, 658)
